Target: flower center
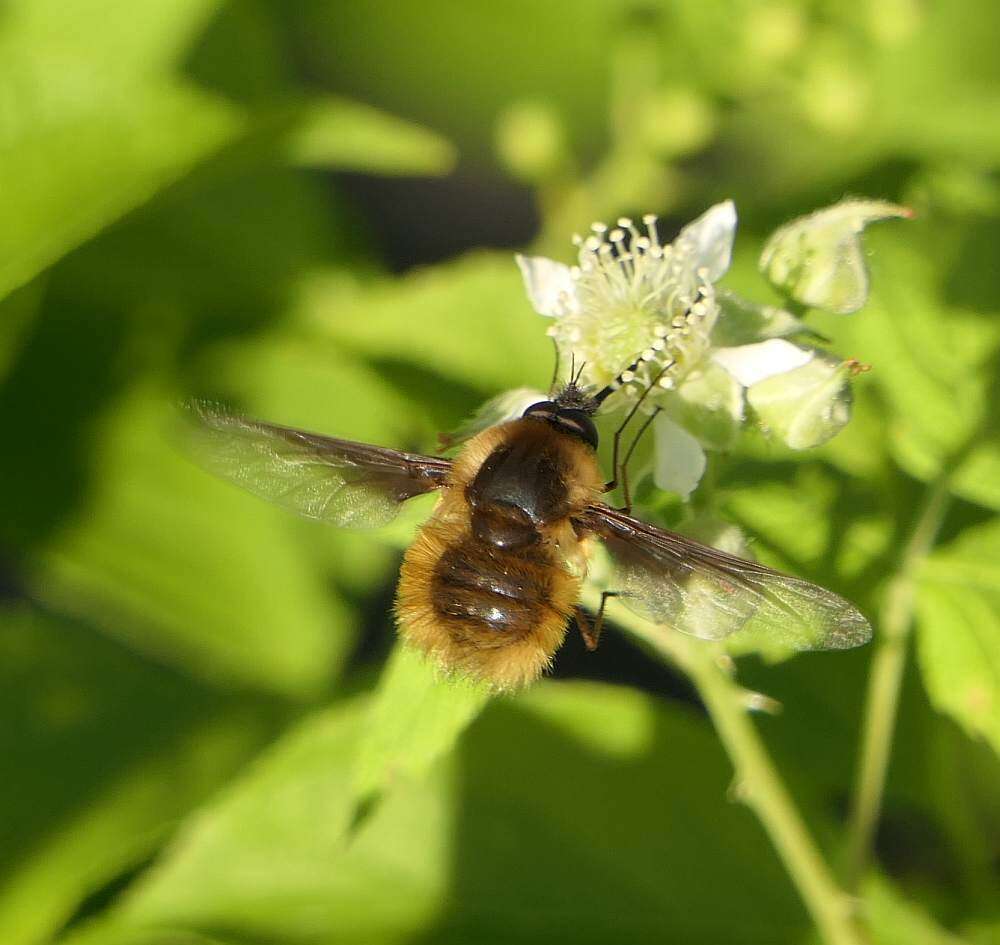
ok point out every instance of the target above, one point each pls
(637, 300)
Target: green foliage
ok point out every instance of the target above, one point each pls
(192, 754)
(144, 537)
(466, 321)
(72, 700)
(934, 360)
(959, 627)
(559, 814)
(94, 123)
(348, 136)
(417, 715)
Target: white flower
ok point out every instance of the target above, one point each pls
(750, 364)
(679, 459)
(631, 298)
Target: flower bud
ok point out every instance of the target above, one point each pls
(530, 141)
(676, 121)
(806, 406)
(818, 259)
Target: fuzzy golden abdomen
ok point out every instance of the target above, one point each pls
(480, 610)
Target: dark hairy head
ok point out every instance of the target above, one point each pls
(573, 405)
(568, 414)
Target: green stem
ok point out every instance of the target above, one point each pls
(885, 681)
(760, 785)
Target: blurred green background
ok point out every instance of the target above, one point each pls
(308, 210)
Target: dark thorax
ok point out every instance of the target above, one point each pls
(519, 489)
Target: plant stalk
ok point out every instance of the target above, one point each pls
(885, 681)
(758, 783)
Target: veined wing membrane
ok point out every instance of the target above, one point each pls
(673, 580)
(352, 485)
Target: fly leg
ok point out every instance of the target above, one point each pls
(620, 469)
(626, 495)
(591, 632)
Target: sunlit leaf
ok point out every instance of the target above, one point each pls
(958, 624)
(287, 377)
(935, 365)
(892, 919)
(526, 793)
(468, 320)
(188, 569)
(416, 717)
(344, 135)
(88, 131)
(509, 405)
(113, 38)
(87, 794)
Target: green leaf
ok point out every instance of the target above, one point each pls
(468, 320)
(89, 135)
(563, 814)
(343, 135)
(87, 793)
(17, 312)
(806, 406)
(818, 260)
(811, 525)
(894, 920)
(417, 715)
(935, 365)
(78, 174)
(191, 570)
(861, 448)
(958, 623)
(111, 37)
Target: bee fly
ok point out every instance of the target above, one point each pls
(493, 578)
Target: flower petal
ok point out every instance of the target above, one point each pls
(750, 364)
(549, 285)
(710, 239)
(709, 403)
(679, 461)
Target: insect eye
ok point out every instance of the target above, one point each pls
(579, 424)
(543, 410)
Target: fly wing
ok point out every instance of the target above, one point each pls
(673, 580)
(352, 485)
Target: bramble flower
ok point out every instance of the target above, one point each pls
(630, 295)
(704, 352)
